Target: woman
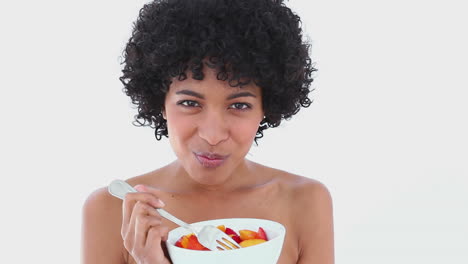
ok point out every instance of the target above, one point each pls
(211, 75)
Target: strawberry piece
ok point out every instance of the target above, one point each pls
(236, 238)
(183, 241)
(261, 234)
(179, 243)
(229, 231)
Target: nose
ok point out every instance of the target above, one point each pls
(213, 128)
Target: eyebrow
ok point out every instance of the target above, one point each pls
(230, 97)
(191, 93)
(241, 94)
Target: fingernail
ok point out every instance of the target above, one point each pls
(139, 188)
(157, 203)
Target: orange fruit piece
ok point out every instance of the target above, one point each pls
(194, 244)
(251, 242)
(222, 228)
(247, 234)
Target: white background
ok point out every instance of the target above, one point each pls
(387, 132)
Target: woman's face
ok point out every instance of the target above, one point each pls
(211, 125)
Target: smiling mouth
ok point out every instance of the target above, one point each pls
(210, 160)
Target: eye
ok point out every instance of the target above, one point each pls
(188, 103)
(241, 106)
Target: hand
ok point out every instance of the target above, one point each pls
(142, 229)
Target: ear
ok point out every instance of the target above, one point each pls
(163, 112)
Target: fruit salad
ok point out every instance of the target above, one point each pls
(245, 238)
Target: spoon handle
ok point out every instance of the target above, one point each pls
(119, 189)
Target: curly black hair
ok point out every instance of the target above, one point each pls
(243, 40)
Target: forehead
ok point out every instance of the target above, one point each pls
(211, 84)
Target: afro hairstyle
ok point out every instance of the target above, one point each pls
(242, 40)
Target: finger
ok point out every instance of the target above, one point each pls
(151, 190)
(156, 246)
(156, 234)
(156, 202)
(140, 210)
(131, 199)
(142, 226)
(148, 189)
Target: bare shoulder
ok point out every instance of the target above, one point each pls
(311, 204)
(100, 203)
(101, 223)
(310, 207)
(303, 189)
(313, 210)
(310, 192)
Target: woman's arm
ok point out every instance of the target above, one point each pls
(101, 241)
(314, 212)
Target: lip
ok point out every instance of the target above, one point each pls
(210, 160)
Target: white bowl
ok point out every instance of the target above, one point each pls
(264, 253)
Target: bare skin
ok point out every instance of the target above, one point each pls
(302, 205)
(209, 116)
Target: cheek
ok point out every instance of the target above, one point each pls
(179, 130)
(244, 132)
